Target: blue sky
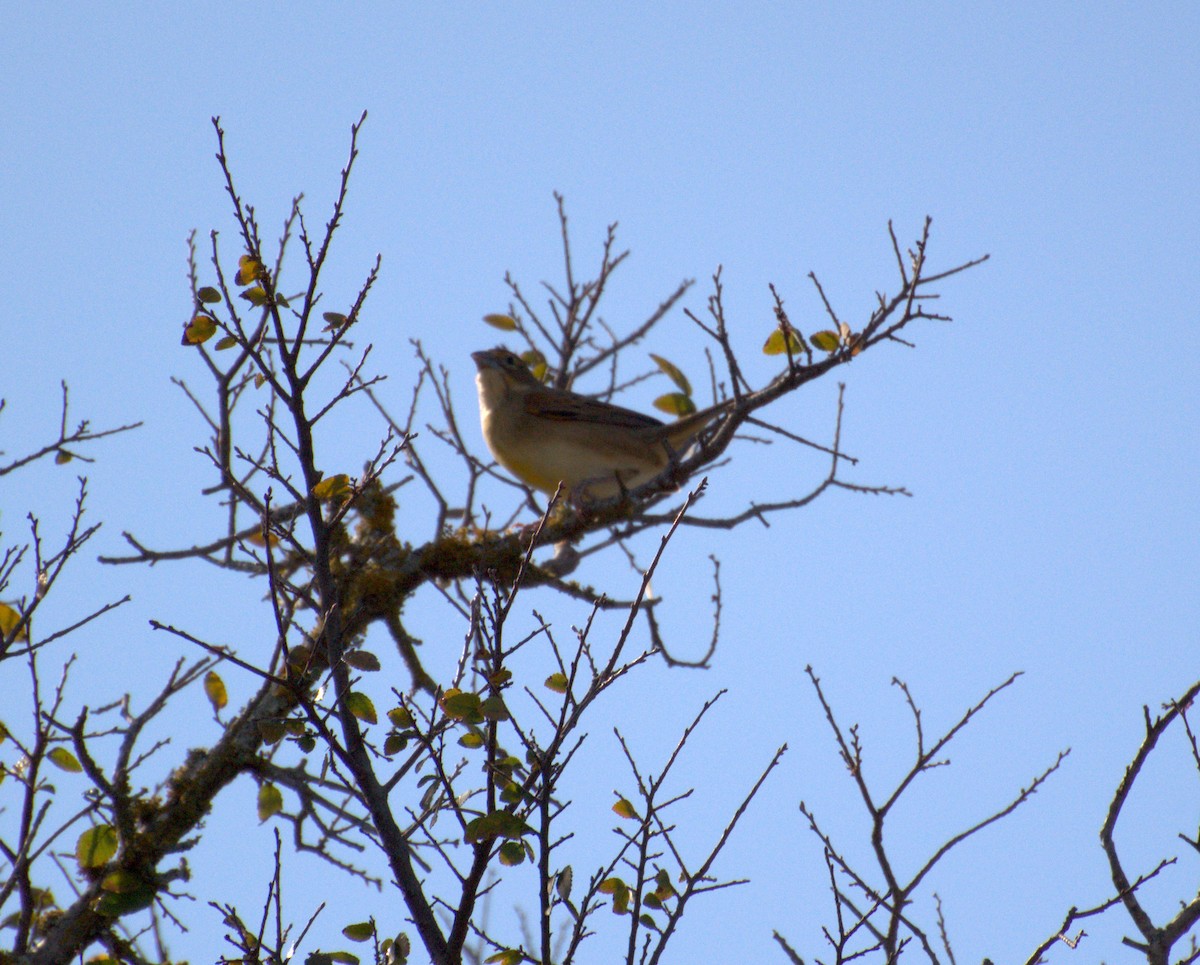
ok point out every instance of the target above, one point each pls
(1048, 435)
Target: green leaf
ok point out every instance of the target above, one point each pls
(506, 323)
(271, 731)
(673, 374)
(462, 706)
(400, 717)
(675, 403)
(214, 690)
(493, 708)
(471, 740)
(557, 682)
(270, 802)
(497, 824)
(228, 341)
(359, 931)
(775, 344)
(62, 457)
(122, 881)
(209, 295)
(648, 922)
(826, 340)
(512, 853)
(335, 319)
(360, 706)
(96, 846)
(123, 893)
(362, 660)
(64, 760)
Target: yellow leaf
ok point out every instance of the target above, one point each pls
(259, 380)
(506, 323)
(63, 457)
(333, 487)
(557, 682)
(214, 690)
(227, 342)
(624, 809)
(509, 956)
(775, 344)
(675, 403)
(620, 894)
(359, 704)
(256, 296)
(471, 740)
(673, 374)
(9, 618)
(826, 340)
(199, 330)
(270, 802)
(537, 364)
(249, 269)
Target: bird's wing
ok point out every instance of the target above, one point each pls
(569, 407)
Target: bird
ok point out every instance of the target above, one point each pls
(547, 436)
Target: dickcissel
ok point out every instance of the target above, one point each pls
(545, 436)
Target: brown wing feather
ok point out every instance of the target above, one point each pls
(567, 406)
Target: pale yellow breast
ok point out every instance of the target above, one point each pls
(543, 452)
